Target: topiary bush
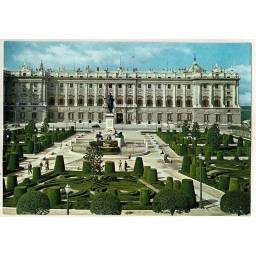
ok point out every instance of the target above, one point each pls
(144, 197)
(169, 183)
(230, 139)
(138, 167)
(30, 147)
(59, 164)
(19, 151)
(86, 167)
(151, 175)
(36, 174)
(106, 204)
(54, 196)
(33, 202)
(220, 155)
(234, 184)
(13, 162)
(186, 164)
(176, 185)
(145, 173)
(11, 182)
(240, 142)
(187, 187)
(236, 202)
(223, 182)
(109, 167)
(18, 192)
(181, 202)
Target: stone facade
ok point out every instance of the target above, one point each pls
(141, 97)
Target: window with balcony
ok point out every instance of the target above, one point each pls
(100, 101)
(149, 101)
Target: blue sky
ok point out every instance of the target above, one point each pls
(142, 55)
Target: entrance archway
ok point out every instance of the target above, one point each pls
(119, 118)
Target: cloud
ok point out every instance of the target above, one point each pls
(245, 99)
(244, 71)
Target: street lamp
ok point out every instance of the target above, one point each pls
(35, 130)
(67, 190)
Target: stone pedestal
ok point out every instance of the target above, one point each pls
(109, 129)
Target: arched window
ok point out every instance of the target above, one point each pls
(119, 100)
(129, 101)
(51, 101)
(216, 102)
(179, 101)
(189, 101)
(139, 101)
(100, 101)
(159, 102)
(90, 101)
(205, 102)
(149, 101)
(80, 100)
(61, 101)
(71, 101)
(169, 101)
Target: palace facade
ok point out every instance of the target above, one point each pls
(141, 97)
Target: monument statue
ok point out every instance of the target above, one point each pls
(110, 103)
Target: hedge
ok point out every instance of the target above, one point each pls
(138, 167)
(33, 202)
(144, 197)
(219, 155)
(234, 184)
(11, 182)
(151, 175)
(54, 196)
(59, 164)
(223, 182)
(176, 185)
(186, 164)
(86, 167)
(109, 167)
(187, 187)
(30, 147)
(36, 175)
(19, 191)
(13, 162)
(19, 151)
(169, 183)
(146, 168)
(193, 167)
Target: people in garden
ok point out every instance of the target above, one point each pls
(29, 168)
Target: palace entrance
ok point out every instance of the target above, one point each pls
(119, 118)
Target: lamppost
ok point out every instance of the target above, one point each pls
(67, 190)
(201, 184)
(35, 130)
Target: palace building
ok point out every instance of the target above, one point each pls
(141, 97)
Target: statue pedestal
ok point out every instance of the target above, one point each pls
(109, 129)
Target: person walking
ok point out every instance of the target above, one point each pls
(46, 165)
(125, 166)
(41, 165)
(120, 165)
(29, 168)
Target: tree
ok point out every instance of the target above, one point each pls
(30, 128)
(187, 187)
(193, 167)
(195, 130)
(109, 167)
(86, 167)
(185, 128)
(45, 126)
(240, 142)
(236, 202)
(94, 157)
(13, 162)
(54, 196)
(33, 202)
(59, 164)
(144, 196)
(106, 204)
(234, 184)
(186, 164)
(138, 167)
(213, 136)
(220, 155)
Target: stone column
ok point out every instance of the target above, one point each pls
(44, 92)
(56, 95)
(210, 96)
(199, 95)
(124, 94)
(174, 96)
(30, 93)
(195, 96)
(184, 95)
(134, 95)
(76, 95)
(222, 95)
(237, 95)
(233, 95)
(164, 95)
(154, 95)
(144, 95)
(85, 94)
(66, 95)
(95, 94)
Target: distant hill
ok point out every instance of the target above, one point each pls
(246, 113)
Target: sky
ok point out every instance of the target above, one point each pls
(141, 55)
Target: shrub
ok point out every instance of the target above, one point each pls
(19, 151)
(230, 139)
(151, 175)
(144, 197)
(36, 175)
(86, 167)
(208, 153)
(138, 167)
(176, 185)
(145, 173)
(193, 167)
(18, 192)
(54, 196)
(235, 202)
(33, 202)
(30, 147)
(201, 168)
(186, 164)
(106, 204)
(169, 183)
(13, 162)
(239, 151)
(234, 184)
(187, 187)
(184, 149)
(109, 167)
(223, 182)
(11, 182)
(181, 202)
(220, 155)
(59, 164)
(240, 142)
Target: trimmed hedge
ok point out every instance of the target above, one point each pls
(144, 197)
(138, 167)
(59, 164)
(13, 162)
(109, 167)
(19, 191)
(86, 167)
(11, 182)
(193, 168)
(19, 151)
(145, 172)
(30, 147)
(236, 202)
(54, 196)
(36, 175)
(169, 183)
(106, 204)
(151, 175)
(223, 182)
(186, 164)
(187, 187)
(219, 155)
(176, 185)
(234, 185)
(33, 202)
